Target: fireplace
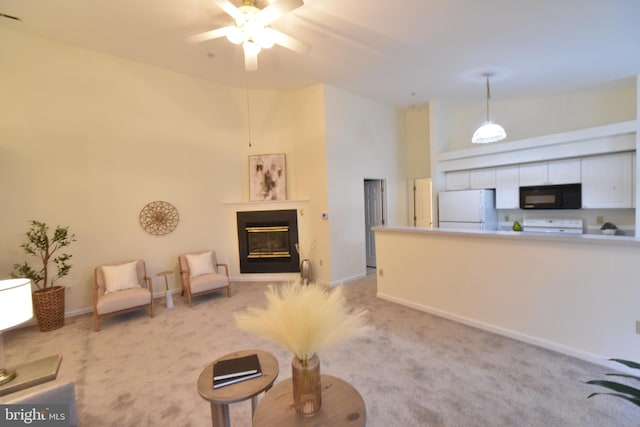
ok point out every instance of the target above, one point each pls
(267, 241)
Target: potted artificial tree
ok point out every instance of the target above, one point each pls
(48, 299)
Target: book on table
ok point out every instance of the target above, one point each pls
(233, 380)
(236, 367)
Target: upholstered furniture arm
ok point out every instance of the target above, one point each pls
(95, 294)
(226, 268)
(149, 283)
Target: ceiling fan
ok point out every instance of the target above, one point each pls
(252, 28)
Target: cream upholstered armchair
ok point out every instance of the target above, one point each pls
(121, 287)
(201, 273)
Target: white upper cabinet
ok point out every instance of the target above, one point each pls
(482, 178)
(566, 171)
(457, 180)
(607, 181)
(507, 188)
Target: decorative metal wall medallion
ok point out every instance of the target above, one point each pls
(159, 218)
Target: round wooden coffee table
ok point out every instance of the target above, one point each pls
(342, 406)
(220, 398)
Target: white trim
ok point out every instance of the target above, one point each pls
(266, 204)
(584, 142)
(569, 351)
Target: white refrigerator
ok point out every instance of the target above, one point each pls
(468, 209)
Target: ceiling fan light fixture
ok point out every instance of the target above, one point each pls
(235, 35)
(265, 38)
(489, 131)
(251, 48)
(251, 28)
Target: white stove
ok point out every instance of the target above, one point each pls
(553, 225)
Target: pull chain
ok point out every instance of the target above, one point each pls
(249, 116)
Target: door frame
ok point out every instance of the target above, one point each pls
(383, 206)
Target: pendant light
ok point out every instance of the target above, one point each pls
(489, 131)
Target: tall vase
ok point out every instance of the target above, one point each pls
(306, 386)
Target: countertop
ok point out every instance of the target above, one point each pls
(586, 238)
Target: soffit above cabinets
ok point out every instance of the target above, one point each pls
(584, 142)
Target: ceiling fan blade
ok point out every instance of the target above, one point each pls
(289, 42)
(250, 61)
(277, 9)
(229, 7)
(209, 35)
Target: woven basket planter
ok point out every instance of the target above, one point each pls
(49, 307)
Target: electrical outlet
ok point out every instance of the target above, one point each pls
(506, 217)
(381, 272)
(599, 220)
(321, 263)
(637, 326)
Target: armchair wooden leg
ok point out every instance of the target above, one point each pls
(97, 322)
(228, 291)
(151, 308)
(189, 297)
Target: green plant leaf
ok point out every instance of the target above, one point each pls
(633, 377)
(620, 388)
(633, 400)
(628, 363)
(42, 246)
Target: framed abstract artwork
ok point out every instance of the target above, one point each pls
(267, 177)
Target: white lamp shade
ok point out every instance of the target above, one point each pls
(235, 35)
(265, 38)
(15, 302)
(488, 132)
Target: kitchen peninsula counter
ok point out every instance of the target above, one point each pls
(586, 238)
(576, 294)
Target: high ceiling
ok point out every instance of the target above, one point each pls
(400, 52)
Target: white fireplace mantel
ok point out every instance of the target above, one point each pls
(265, 204)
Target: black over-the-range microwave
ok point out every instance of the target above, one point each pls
(565, 196)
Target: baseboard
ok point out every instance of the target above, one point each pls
(348, 280)
(529, 339)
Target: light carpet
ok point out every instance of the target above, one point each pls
(411, 368)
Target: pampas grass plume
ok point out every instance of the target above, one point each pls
(303, 318)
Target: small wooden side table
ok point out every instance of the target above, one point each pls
(220, 398)
(168, 296)
(342, 406)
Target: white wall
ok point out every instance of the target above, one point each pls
(311, 175)
(87, 139)
(362, 143)
(544, 115)
(415, 133)
(573, 296)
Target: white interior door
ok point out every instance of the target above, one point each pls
(374, 215)
(422, 196)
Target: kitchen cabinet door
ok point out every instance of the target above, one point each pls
(480, 179)
(607, 181)
(533, 174)
(457, 180)
(566, 171)
(507, 188)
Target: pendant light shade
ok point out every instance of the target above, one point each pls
(489, 131)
